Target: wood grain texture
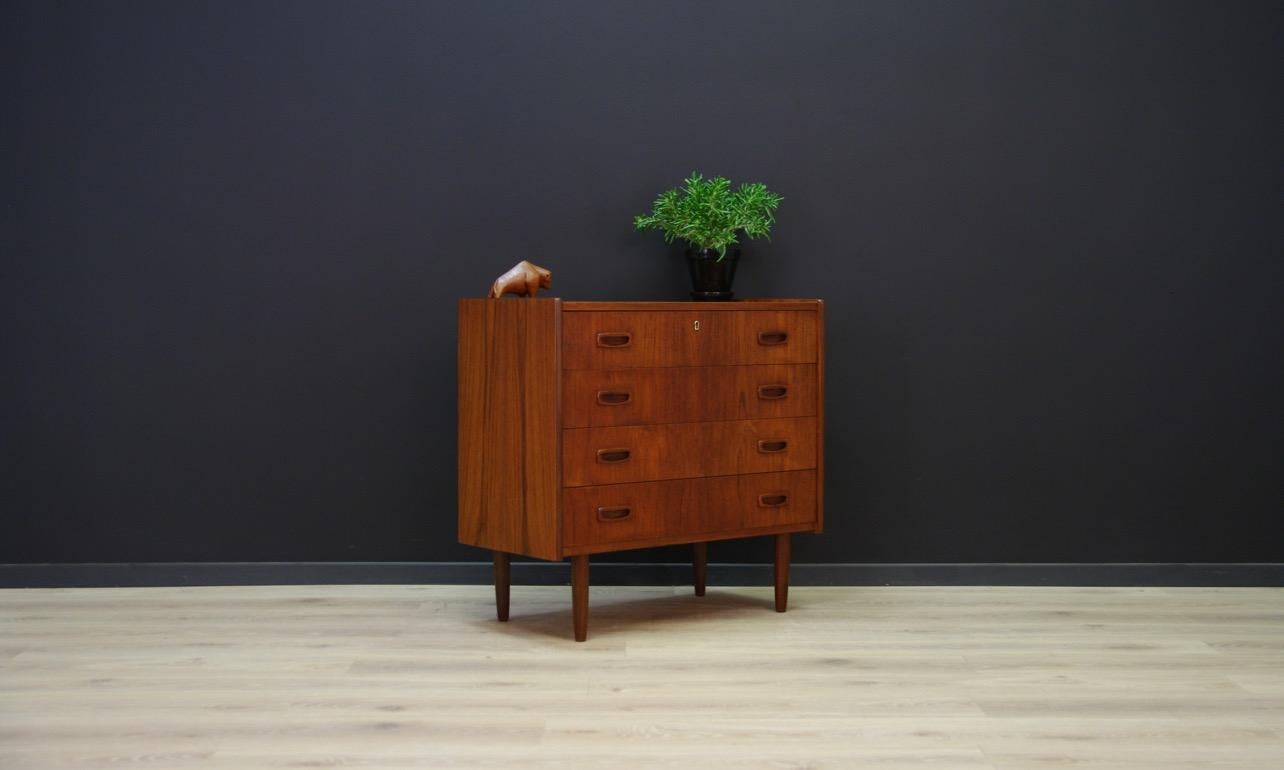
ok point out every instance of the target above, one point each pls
(396, 677)
(671, 338)
(688, 394)
(686, 450)
(696, 509)
(820, 415)
(509, 402)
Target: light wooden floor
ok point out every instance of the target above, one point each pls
(423, 676)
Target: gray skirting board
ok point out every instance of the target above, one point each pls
(558, 573)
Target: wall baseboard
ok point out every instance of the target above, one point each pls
(608, 573)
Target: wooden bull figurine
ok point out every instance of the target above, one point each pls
(523, 279)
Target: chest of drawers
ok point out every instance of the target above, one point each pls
(587, 427)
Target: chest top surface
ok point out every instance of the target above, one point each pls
(599, 306)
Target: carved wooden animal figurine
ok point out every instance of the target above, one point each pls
(523, 279)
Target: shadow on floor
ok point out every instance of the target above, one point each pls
(609, 614)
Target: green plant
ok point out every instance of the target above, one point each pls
(708, 214)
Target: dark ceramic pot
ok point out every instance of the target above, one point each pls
(710, 277)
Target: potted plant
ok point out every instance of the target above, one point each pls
(709, 215)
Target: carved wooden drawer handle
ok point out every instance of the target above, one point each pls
(772, 392)
(773, 338)
(614, 339)
(614, 397)
(614, 513)
(772, 445)
(770, 500)
(612, 455)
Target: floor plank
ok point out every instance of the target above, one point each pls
(423, 676)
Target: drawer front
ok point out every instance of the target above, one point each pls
(682, 450)
(593, 397)
(615, 340)
(621, 513)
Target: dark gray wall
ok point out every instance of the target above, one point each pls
(1049, 235)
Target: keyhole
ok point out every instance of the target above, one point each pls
(695, 325)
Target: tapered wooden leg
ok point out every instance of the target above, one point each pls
(501, 585)
(700, 561)
(782, 572)
(579, 595)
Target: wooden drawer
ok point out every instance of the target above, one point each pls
(592, 397)
(622, 339)
(687, 508)
(681, 450)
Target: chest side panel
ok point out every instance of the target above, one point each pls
(509, 425)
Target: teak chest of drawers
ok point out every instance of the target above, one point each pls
(587, 427)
